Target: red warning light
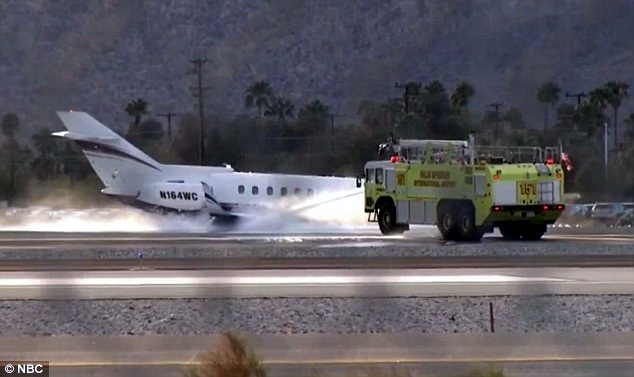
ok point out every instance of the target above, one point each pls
(560, 207)
(545, 208)
(496, 209)
(394, 159)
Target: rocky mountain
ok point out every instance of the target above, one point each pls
(97, 55)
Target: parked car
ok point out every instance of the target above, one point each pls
(607, 212)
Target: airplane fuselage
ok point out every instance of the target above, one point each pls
(137, 179)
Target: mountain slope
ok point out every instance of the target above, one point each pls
(98, 55)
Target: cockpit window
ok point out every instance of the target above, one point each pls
(379, 176)
(369, 174)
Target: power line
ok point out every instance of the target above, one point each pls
(578, 95)
(198, 92)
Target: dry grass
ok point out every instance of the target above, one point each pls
(230, 357)
(489, 372)
(393, 372)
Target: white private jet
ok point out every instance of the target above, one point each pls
(136, 179)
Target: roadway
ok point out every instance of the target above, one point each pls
(298, 355)
(461, 282)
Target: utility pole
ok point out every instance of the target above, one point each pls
(198, 92)
(332, 128)
(496, 106)
(605, 160)
(169, 129)
(411, 89)
(169, 122)
(578, 95)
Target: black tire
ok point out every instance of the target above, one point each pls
(465, 224)
(446, 222)
(533, 232)
(387, 220)
(511, 231)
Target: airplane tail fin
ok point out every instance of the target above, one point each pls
(119, 164)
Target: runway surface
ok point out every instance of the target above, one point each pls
(150, 284)
(523, 355)
(317, 263)
(369, 234)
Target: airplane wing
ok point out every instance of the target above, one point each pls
(82, 137)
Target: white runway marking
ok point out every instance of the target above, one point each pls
(315, 283)
(318, 279)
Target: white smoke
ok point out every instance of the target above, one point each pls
(336, 212)
(96, 220)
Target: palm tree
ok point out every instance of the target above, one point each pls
(616, 91)
(45, 144)
(136, 108)
(629, 132)
(548, 94)
(10, 125)
(461, 95)
(260, 95)
(313, 118)
(280, 108)
(434, 87)
(589, 113)
(315, 110)
(598, 97)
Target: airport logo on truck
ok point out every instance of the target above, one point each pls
(180, 195)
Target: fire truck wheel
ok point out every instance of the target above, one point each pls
(447, 223)
(533, 232)
(387, 220)
(467, 230)
(511, 231)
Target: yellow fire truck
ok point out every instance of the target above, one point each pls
(464, 189)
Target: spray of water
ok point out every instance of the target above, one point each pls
(335, 212)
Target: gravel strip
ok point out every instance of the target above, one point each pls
(342, 249)
(337, 315)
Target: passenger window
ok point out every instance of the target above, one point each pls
(240, 189)
(269, 190)
(284, 191)
(254, 190)
(379, 176)
(310, 192)
(297, 191)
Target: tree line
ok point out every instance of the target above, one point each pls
(274, 135)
